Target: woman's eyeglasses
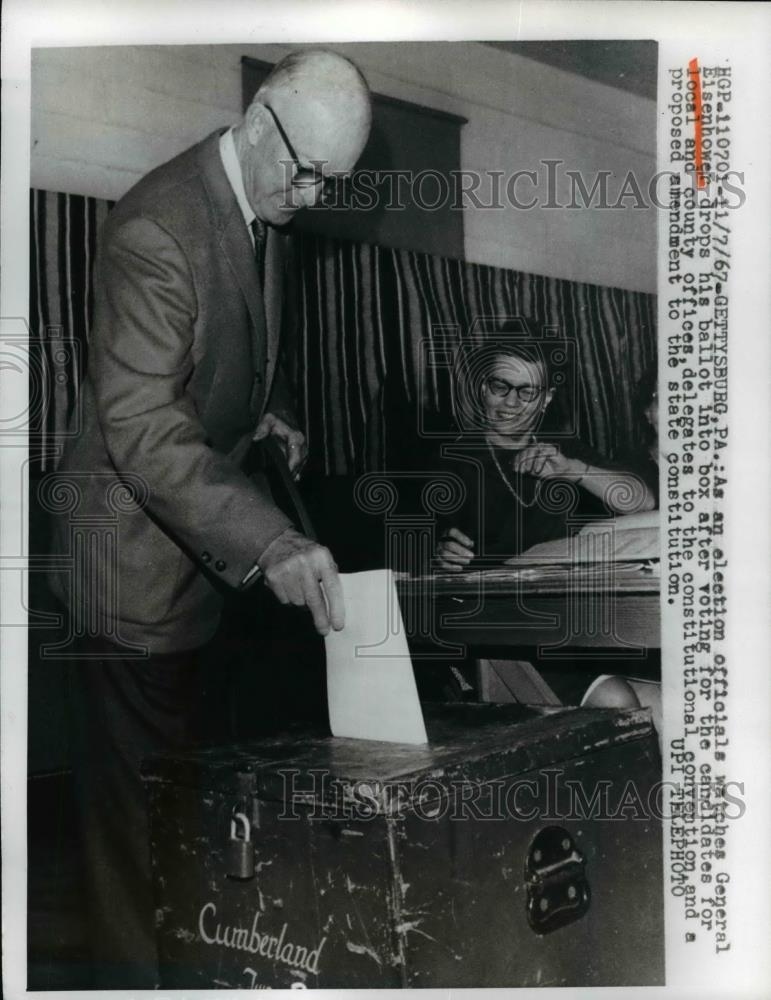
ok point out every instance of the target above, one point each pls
(304, 177)
(501, 388)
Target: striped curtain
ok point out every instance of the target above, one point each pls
(377, 324)
(63, 235)
(376, 329)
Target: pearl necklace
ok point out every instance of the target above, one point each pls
(508, 485)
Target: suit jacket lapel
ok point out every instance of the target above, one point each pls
(237, 247)
(235, 242)
(266, 307)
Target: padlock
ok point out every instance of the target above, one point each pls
(239, 853)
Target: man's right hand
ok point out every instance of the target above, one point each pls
(303, 573)
(455, 551)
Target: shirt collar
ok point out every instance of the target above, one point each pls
(233, 173)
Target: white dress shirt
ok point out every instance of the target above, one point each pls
(234, 176)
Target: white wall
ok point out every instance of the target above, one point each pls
(101, 117)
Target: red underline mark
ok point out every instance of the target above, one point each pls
(698, 159)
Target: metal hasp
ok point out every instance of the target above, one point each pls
(555, 876)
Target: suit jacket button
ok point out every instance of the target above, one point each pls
(258, 379)
(220, 565)
(205, 557)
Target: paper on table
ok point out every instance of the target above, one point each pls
(620, 539)
(371, 689)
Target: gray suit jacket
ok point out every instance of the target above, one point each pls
(182, 363)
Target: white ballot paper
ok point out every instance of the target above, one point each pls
(371, 689)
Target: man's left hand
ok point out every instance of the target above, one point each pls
(291, 440)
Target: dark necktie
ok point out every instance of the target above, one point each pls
(259, 232)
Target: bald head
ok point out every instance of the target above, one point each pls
(314, 109)
(324, 96)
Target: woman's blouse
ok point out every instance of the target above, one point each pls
(506, 512)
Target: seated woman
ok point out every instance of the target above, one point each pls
(526, 483)
(514, 463)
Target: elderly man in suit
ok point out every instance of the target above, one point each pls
(183, 373)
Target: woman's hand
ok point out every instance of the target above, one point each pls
(622, 492)
(544, 460)
(455, 551)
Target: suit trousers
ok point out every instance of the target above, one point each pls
(123, 711)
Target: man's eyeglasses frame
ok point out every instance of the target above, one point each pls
(304, 177)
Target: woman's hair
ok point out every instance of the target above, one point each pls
(532, 353)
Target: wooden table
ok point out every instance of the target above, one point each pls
(545, 613)
(608, 606)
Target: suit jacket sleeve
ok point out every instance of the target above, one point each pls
(141, 362)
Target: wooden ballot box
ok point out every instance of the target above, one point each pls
(520, 847)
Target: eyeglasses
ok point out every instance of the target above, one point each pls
(501, 388)
(304, 177)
